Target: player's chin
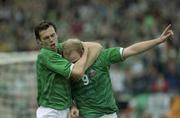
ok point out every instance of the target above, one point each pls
(74, 60)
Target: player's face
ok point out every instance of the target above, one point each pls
(48, 38)
(73, 56)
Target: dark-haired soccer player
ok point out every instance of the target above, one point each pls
(53, 72)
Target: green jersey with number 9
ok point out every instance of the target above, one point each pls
(93, 93)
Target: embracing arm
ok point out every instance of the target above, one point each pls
(94, 50)
(140, 47)
(80, 66)
(91, 52)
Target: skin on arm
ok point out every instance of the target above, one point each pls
(94, 50)
(140, 47)
(74, 50)
(80, 66)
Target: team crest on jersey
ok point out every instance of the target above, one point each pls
(92, 73)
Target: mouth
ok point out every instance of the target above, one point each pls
(53, 45)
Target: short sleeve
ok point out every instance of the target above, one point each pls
(57, 63)
(113, 55)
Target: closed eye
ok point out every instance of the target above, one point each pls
(53, 35)
(46, 38)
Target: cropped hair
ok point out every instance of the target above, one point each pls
(43, 25)
(73, 44)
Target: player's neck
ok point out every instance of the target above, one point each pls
(52, 49)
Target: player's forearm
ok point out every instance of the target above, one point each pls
(94, 50)
(140, 47)
(80, 66)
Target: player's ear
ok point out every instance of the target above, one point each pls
(39, 42)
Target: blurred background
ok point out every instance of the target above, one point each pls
(145, 86)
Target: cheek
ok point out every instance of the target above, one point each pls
(78, 57)
(66, 56)
(46, 43)
(75, 56)
(55, 39)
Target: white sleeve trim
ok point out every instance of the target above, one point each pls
(72, 65)
(121, 52)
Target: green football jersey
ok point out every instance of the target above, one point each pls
(53, 81)
(93, 93)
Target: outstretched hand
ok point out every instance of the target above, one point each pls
(167, 34)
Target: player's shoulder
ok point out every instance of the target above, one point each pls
(46, 53)
(115, 51)
(102, 54)
(109, 50)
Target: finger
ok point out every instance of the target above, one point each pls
(72, 113)
(76, 114)
(166, 29)
(73, 116)
(167, 36)
(172, 33)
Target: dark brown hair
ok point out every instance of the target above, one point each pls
(43, 25)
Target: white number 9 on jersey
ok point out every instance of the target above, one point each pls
(85, 79)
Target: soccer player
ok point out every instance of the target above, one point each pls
(53, 72)
(93, 92)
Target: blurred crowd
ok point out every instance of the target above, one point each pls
(112, 23)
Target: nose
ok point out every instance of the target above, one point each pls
(72, 57)
(51, 39)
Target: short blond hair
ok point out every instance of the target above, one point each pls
(73, 44)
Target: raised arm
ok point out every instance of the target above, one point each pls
(140, 47)
(94, 50)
